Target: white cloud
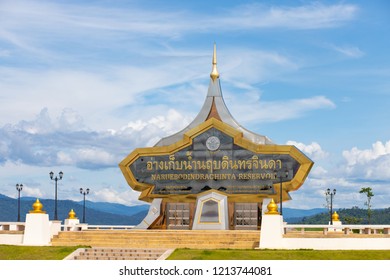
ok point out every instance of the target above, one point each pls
(264, 111)
(361, 168)
(94, 157)
(3, 151)
(373, 164)
(313, 16)
(70, 120)
(34, 192)
(318, 172)
(25, 18)
(64, 158)
(99, 98)
(313, 150)
(103, 90)
(5, 53)
(356, 156)
(26, 191)
(41, 124)
(110, 194)
(146, 131)
(347, 178)
(104, 97)
(350, 51)
(253, 66)
(165, 123)
(312, 193)
(65, 141)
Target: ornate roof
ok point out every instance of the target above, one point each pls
(215, 107)
(215, 152)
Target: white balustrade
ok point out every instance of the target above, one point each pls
(347, 229)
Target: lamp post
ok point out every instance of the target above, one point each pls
(56, 180)
(281, 175)
(84, 193)
(19, 188)
(331, 194)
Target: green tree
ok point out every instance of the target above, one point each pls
(353, 220)
(368, 192)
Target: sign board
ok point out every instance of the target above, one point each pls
(214, 157)
(213, 161)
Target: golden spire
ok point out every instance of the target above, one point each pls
(272, 208)
(72, 214)
(335, 217)
(214, 72)
(37, 208)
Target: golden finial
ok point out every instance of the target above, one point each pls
(37, 208)
(72, 214)
(335, 217)
(272, 208)
(214, 72)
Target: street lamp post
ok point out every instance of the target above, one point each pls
(281, 175)
(331, 194)
(19, 188)
(55, 201)
(84, 193)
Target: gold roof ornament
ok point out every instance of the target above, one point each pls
(272, 208)
(72, 214)
(37, 208)
(335, 217)
(214, 72)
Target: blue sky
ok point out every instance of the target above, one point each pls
(83, 83)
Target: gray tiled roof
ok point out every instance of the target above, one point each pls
(214, 94)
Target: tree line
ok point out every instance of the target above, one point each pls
(354, 215)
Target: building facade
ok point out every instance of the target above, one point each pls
(213, 174)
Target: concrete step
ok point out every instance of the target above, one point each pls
(160, 239)
(113, 259)
(117, 254)
(175, 245)
(125, 250)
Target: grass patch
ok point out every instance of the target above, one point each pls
(191, 254)
(9, 252)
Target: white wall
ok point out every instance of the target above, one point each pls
(11, 239)
(271, 237)
(337, 243)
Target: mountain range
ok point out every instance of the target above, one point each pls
(105, 213)
(96, 213)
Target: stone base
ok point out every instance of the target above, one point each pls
(55, 228)
(271, 234)
(336, 223)
(37, 231)
(71, 224)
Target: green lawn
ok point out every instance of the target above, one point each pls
(190, 254)
(8, 252)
